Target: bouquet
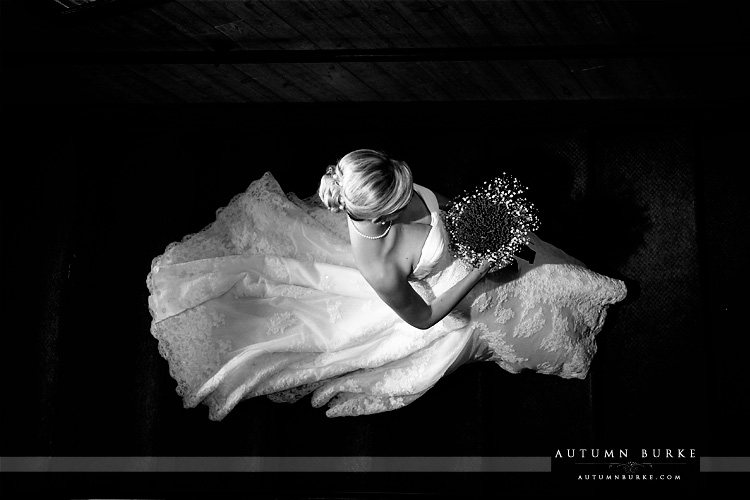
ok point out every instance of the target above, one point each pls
(490, 222)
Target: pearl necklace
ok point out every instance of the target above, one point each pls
(390, 223)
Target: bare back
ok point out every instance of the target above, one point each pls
(399, 252)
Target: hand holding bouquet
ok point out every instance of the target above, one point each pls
(491, 222)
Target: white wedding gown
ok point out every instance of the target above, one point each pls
(267, 301)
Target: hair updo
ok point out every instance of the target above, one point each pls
(367, 184)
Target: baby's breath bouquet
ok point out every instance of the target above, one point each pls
(491, 222)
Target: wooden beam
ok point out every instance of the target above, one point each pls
(376, 55)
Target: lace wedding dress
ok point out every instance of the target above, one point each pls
(267, 301)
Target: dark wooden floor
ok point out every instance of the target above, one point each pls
(646, 193)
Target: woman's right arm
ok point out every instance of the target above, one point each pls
(396, 291)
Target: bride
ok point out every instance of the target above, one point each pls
(356, 298)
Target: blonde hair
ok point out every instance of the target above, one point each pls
(367, 184)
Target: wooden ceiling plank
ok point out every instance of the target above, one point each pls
(593, 23)
(265, 75)
(425, 17)
(344, 81)
(477, 74)
(422, 17)
(558, 78)
(263, 20)
(595, 77)
(144, 31)
(418, 76)
(421, 86)
(434, 22)
(619, 17)
(508, 23)
(378, 78)
(171, 80)
(324, 39)
(455, 84)
(188, 80)
(477, 80)
(258, 84)
(245, 86)
(390, 26)
(315, 85)
(466, 21)
(593, 74)
(246, 37)
(491, 83)
(388, 23)
(211, 12)
(279, 34)
(510, 27)
(128, 34)
(523, 79)
(348, 24)
(208, 78)
(195, 26)
(149, 31)
(304, 20)
(551, 22)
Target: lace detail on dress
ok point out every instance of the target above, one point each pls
(353, 404)
(293, 291)
(503, 315)
(503, 352)
(280, 322)
(482, 302)
(333, 307)
(233, 229)
(395, 381)
(529, 324)
(294, 394)
(277, 270)
(194, 354)
(558, 337)
(552, 313)
(402, 380)
(260, 221)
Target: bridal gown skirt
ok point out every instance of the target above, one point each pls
(267, 301)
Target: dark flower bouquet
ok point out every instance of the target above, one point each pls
(490, 222)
